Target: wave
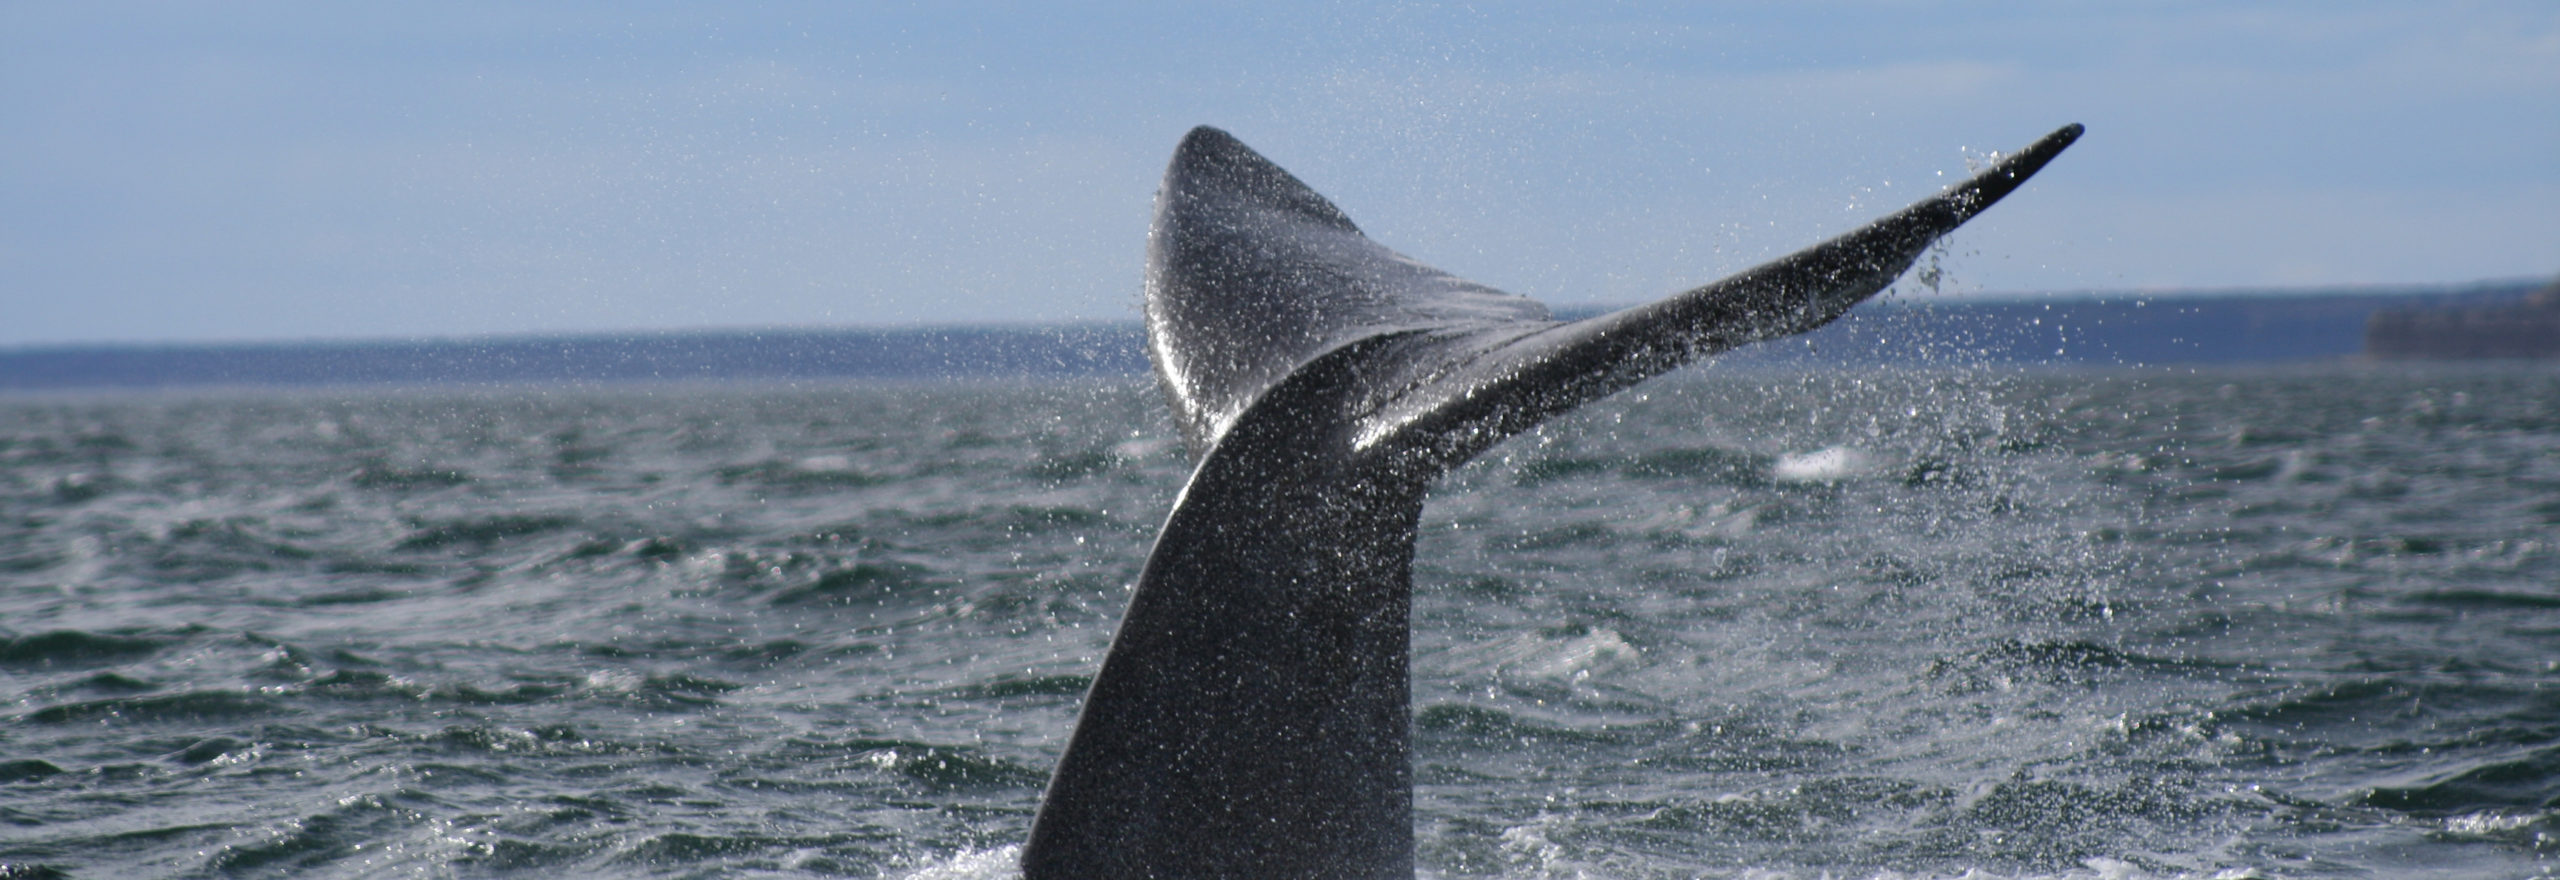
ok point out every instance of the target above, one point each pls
(76, 648)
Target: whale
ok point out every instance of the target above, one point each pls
(1251, 718)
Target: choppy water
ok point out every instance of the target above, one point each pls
(2280, 623)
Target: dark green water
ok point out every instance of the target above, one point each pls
(2245, 623)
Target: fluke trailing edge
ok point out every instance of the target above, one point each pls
(1251, 720)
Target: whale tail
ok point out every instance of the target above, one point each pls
(1251, 719)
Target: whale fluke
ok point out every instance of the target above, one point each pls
(1251, 718)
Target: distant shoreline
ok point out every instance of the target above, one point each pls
(2126, 327)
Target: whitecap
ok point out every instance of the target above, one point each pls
(1829, 464)
(825, 464)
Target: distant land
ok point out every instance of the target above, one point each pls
(2526, 328)
(2120, 328)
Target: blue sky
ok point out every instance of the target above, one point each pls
(237, 171)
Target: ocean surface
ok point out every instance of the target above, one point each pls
(1982, 622)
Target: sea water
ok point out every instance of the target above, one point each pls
(1987, 622)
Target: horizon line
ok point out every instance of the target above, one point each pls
(1896, 297)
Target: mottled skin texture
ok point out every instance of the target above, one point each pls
(1251, 720)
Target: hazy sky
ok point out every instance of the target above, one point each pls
(174, 171)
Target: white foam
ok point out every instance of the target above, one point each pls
(1535, 655)
(1000, 863)
(1826, 465)
(825, 464)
